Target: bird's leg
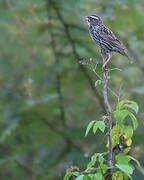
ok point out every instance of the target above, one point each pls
(109, 57)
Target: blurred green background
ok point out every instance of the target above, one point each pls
(47, 98)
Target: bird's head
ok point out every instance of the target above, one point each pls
(93, 20)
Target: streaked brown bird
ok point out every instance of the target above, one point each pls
(104, 37)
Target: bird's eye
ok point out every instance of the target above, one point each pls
(92, 19)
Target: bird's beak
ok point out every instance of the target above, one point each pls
(85, 18)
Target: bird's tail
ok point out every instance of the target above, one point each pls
(126, 55)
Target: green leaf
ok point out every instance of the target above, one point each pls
(95, 127)
(94, 157)
(91, 176)
(93, 160)
(98, 82)
(87, 178)
(135, 160)
(104, 168)
(125, 168)
(128, 131)
(105, 153)
(101, 159)
(118, 175)
(120, 115)
(120, 105)
(117, 129)
(67, 176)
(80, 177)
(134, 120)
(133, 106)
(126, 176)
(91, 163)
(101, 125)
(115, 140)
(89, 127)
(76, 173)
(126, 150)
(98, 176)
(122, 159)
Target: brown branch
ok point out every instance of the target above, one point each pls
(58, 76)
(75, 53)
(58, 85)
(109, 111)
(61, 100)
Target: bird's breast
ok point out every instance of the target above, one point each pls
(94, 34)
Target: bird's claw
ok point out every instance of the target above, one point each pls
(104, 68)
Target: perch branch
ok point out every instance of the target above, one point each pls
(109, 110)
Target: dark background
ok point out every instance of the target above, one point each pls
(47, 98)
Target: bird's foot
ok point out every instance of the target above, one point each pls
(104, 68)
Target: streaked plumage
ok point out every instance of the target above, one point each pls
(104, 37)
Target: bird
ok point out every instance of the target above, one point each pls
(104, 37)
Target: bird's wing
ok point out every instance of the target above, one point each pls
(107, 35)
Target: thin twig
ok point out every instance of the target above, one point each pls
(94, 70)
(109, 111)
